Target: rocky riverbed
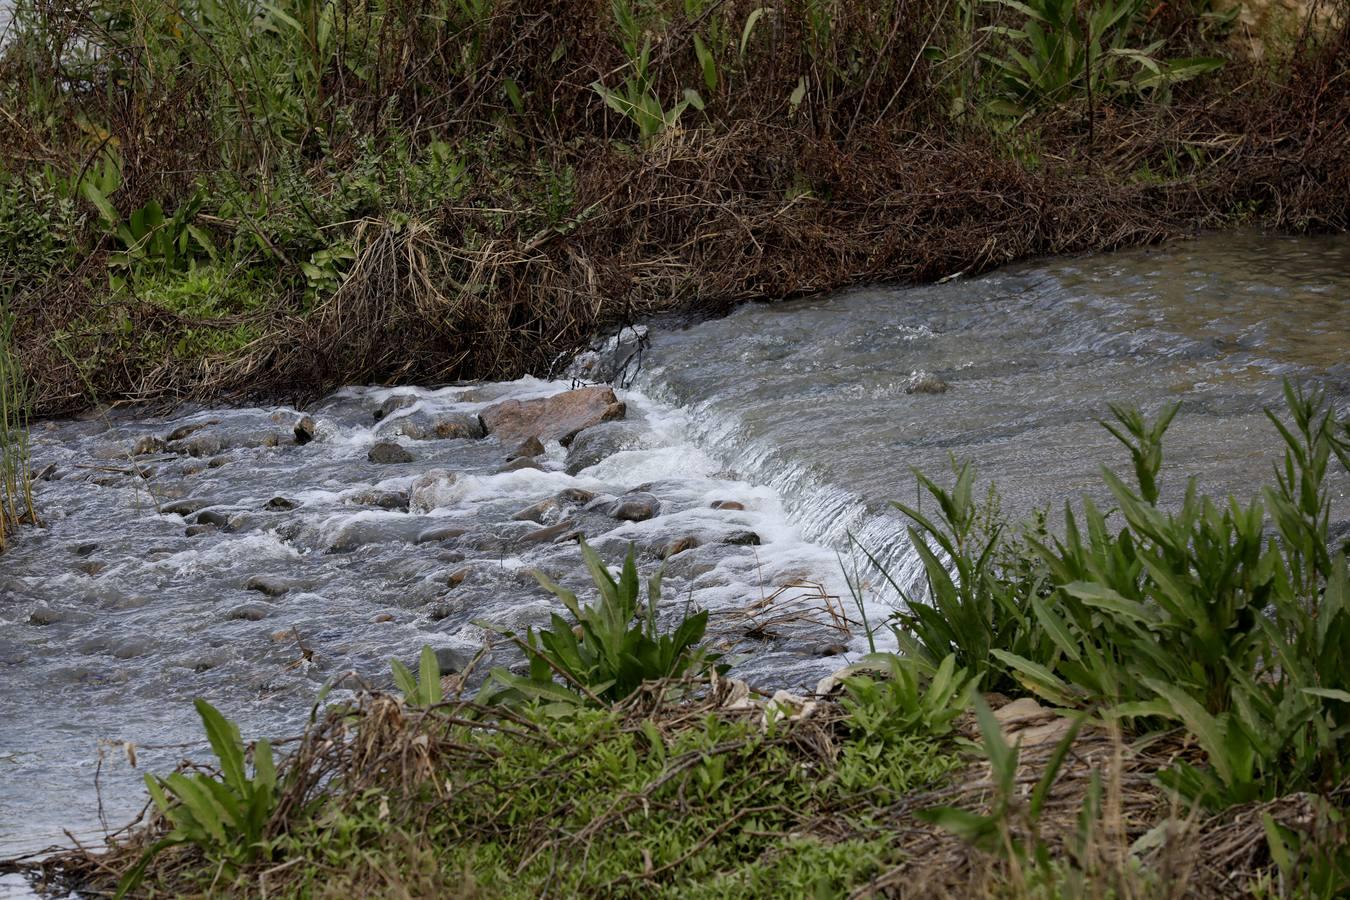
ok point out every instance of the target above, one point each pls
(252, 555)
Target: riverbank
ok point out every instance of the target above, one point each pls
(1147, 705)
(701, 798)
(425, 200)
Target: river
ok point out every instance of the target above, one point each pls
(768, 440)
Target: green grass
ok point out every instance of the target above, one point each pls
(594, 802)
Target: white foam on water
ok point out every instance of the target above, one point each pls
(227, 553)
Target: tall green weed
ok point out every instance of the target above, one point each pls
(1229, 619)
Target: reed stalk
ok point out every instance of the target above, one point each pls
(16, 483)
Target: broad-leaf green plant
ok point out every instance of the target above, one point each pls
(899, 704)
(610, 649)
(424, 688)
(225, 817)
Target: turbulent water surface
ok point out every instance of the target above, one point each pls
(236, 564)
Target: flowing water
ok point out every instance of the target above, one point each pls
(236, 564)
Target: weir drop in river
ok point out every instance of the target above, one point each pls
(211, 553)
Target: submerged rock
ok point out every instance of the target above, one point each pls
(600, 442)
(440, 533)
(742, 538)
(268, 585)
(688, 542)
(394, 501)
(186, 506)
(218, 518)
(443, 426)
(557, 418)
(304, 430)
(394, 404)
(146, 445)
(562, 531)
(388, 453)
(925, 383)
(389, 528)
(527, 449)
(636, 507)
(249, 612)
(431, 489)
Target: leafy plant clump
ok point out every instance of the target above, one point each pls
(226, 818)
(1228, 619)
(615, 645)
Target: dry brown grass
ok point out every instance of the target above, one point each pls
(868, 183)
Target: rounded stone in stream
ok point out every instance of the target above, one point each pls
(393, 404)
(539, 512)
(266, 584)
(146, 445)
(304, 430)
(688, 542)
(430, 490)
(215, 517)
(742, 538)
(241, 521)
(600, 442)
(439, 533)
(728, 505)
(554, 533)
(556, 418)
(443, 426)
(84, 549)
(527, 449)
(185, 507)
(183, 431)
(389, 453)
(280, 504)
(925, 383)
(394, 501)
(387, 528)
(45, 615)
(250, 612)
(635, 507)
(551, 508)
(195, 530)
(198, 445)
